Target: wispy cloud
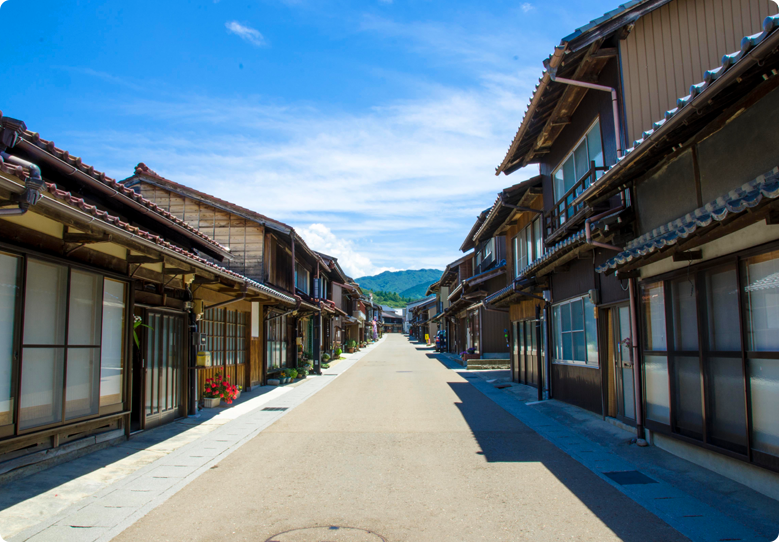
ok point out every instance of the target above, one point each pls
(353, 262)
(527, 7)
(246, 33)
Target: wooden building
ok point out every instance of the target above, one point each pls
(83, 259)
(649, 345)
(269, 252)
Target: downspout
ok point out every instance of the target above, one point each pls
(641, 441)
(604, 88)
(33, 186)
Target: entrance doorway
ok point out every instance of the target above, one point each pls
(529, 338)
(623, 364)
(162, 367)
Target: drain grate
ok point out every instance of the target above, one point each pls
(629, 477)
(275, 408)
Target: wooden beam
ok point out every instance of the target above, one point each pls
(135, 258)
(176, 271)
(86, 238)
(688, 256)
(605, 52)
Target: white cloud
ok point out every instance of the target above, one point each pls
(527, 7)
(320, 238)
(246, 33)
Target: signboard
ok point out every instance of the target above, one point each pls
(204, 359)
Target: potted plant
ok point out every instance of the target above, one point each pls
(283, 376)
(325, 366)
(292, 374)
(325, 358)
(337, 353)
(302, 373)
(217, 389)
(350, 346)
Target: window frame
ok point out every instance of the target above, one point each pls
(25, 254)
(561, 163)
(738, 260)
(557, 339)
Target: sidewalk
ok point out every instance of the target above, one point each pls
(98, 495)
(701, 504)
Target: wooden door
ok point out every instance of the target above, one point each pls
(164, 368)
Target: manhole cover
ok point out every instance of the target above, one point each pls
(327, 534)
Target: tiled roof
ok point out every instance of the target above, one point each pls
(554, 252)
(697, 95)
(736, 201)
(75, 162)
(605, 18)
(499, 212)
(144, 170)
(92, 210)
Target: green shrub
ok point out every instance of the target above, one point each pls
(338, 353)
(325, 366)
(293, 373)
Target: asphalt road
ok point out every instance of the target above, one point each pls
(399, 448)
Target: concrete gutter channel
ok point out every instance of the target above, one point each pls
(721, 510)
(105, 501)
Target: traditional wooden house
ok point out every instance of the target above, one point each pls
(265, 250)
(486, 328)
(595, 88)
(420, 318)
(517, 214)
(641, 211)
(706, 259)
(83, 261)
(454, 317)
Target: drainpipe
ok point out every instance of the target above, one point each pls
(593, 86)
(638, 395)
(33, 185)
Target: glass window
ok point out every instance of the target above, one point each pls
(577, 164)
(656, 389)
(301, 278)
(523, 256)
(576, 335)
(86, 294)
(539, 237)
(688, 405)
(653, 308)
(40, 401)
(760, 279)
(113, 342)
(725, 403)
(722, 304)
(45, 303)
(82, 385)
(764, 390)
(685, 314)
(9, 296)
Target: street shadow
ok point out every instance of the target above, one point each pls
(502, 438)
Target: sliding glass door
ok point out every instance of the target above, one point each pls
(164, 368)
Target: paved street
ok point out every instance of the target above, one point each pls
(409, 450)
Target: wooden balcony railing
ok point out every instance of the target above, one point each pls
(565, 210)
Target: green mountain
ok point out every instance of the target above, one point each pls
(404, 283)
(390, 299)
(418, 291)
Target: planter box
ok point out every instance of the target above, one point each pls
(274, 382)
(211, 403)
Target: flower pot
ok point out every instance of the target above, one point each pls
(237, 395)
(350, 350)
(211, 402)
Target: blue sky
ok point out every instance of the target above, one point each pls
(372, 127)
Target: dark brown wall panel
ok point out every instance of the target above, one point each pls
(578, 386)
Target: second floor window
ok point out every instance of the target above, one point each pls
(528, 246)
(577, 164)
(301, 278)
